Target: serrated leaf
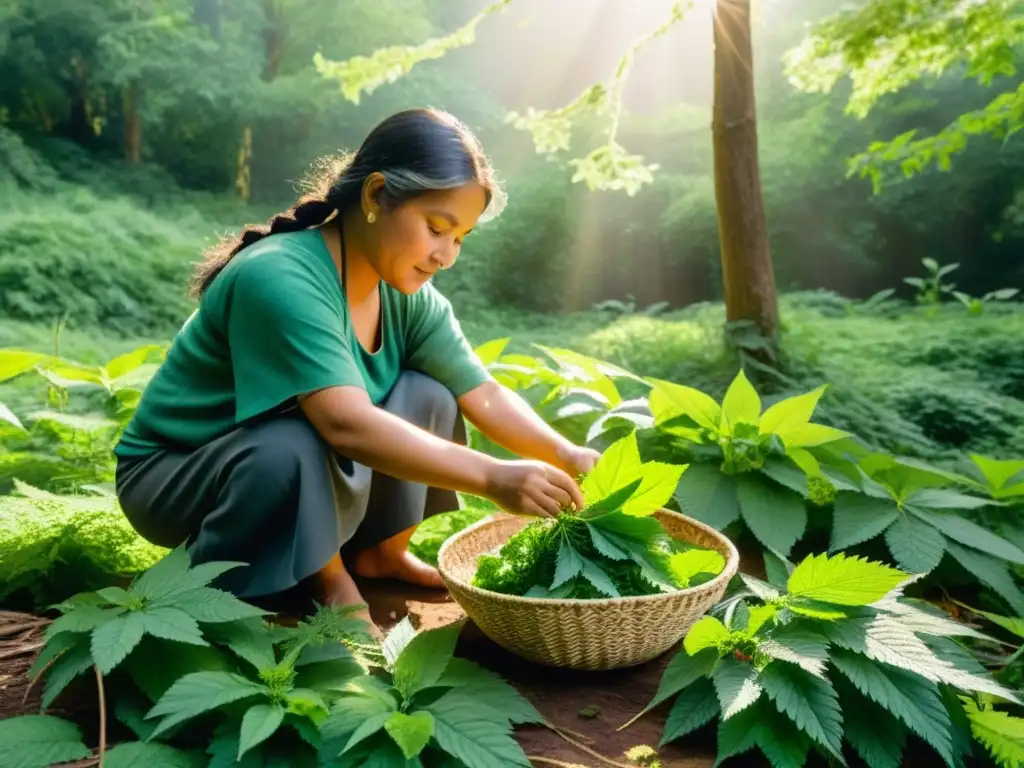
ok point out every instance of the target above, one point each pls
(797, 645)
(618, 466)
(682, 671)
(694, 708)
(248, 639)
(200, 692)
(737, 686)
(598, 579)
(1009, 623)
(843, 580)
(707, 495)
(366, 729)
(943, 498)
(213, 606)
(741, 403)
(74, 662)
(775, 515)
(259, 723)
(1000, 733)
(669, 401)
(82, 618)
(759, 615)
(424, 659)
(809, 435)
(786, 473)
(761, 589)
(916, 546)
(114, 595)
(708, 632)
(913, 700)
(610, 504)
(39, 741)
(989, 571)
(395, 641)
(113, 641)
(490, 351)
(568, 563)
(877, 736)
(139, 754)
(169, 567)
(683, 566)
(791, 412)
(491, 689)
(968, 534)
(365, 700)
(658, 484)
(604, 545)
(857, 518)
(477, 742)
(174, 624)
(737, 735)
(412, 732)
(809, 701)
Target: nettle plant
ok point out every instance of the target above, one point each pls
(921, 514)
(611, 548)
(68, 445)
(575, 393)
(201, 679)
(746, 464)
(834, 662)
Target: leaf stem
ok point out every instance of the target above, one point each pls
(103, 715)
(584, 748)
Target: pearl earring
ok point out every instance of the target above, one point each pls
(371, 217)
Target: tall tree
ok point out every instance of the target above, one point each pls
(746, 261)
(747, 274)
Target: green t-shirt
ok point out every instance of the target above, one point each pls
(275, 325)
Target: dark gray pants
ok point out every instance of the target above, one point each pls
(274, 495)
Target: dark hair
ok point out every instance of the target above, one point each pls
(416, 150)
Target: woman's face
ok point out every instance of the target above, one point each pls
(408, 244)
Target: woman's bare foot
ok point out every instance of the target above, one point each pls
(335, 587)
(376, 563)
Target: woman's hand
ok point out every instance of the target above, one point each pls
(578, 459)
(532, 488)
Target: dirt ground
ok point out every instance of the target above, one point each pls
(560, 695)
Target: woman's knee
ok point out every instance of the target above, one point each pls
(425, 402)
(279, 449)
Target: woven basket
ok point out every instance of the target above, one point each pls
(582, 634)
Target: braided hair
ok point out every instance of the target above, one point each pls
(416, 150)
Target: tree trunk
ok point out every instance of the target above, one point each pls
(748, 277)
(132, 124)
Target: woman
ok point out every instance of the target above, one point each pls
(309, 414)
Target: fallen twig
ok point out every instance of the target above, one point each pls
(584, 748)
(552, 761)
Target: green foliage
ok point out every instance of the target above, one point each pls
(836, 656)
(884, 46)
(322, 690)
(611, 548)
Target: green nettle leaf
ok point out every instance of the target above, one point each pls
(201, 692)
(410, 732)
(568, 563)
(706, 494)
(84, 617)
(685, 565)
(604, 545)
(843, 580)
(39, 741)
(478, 742)
(423, 660)
(212, 606)
(708, 632)
(797, 645)
(366, 729)
(989, 571)
(809, 435)
(600, 580)
(139, 754)
(612, 503)
(618, 466)
(809, 701)
(913, 700)
(113, 641)
(658, 484)
(791, 412)
(737, 686)
(68, 666)
(172, 624)
(943, 498)
(1000, 733)
(248, 639)
(695, 707)
(775, 515)
(491, 690)
(857, 518)
(259, 723)
(916, 546)
(683, 671)
(491, 351)
(365, 700)
(741, 404)
(877, 736)
(670, 401)
(969, 534)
